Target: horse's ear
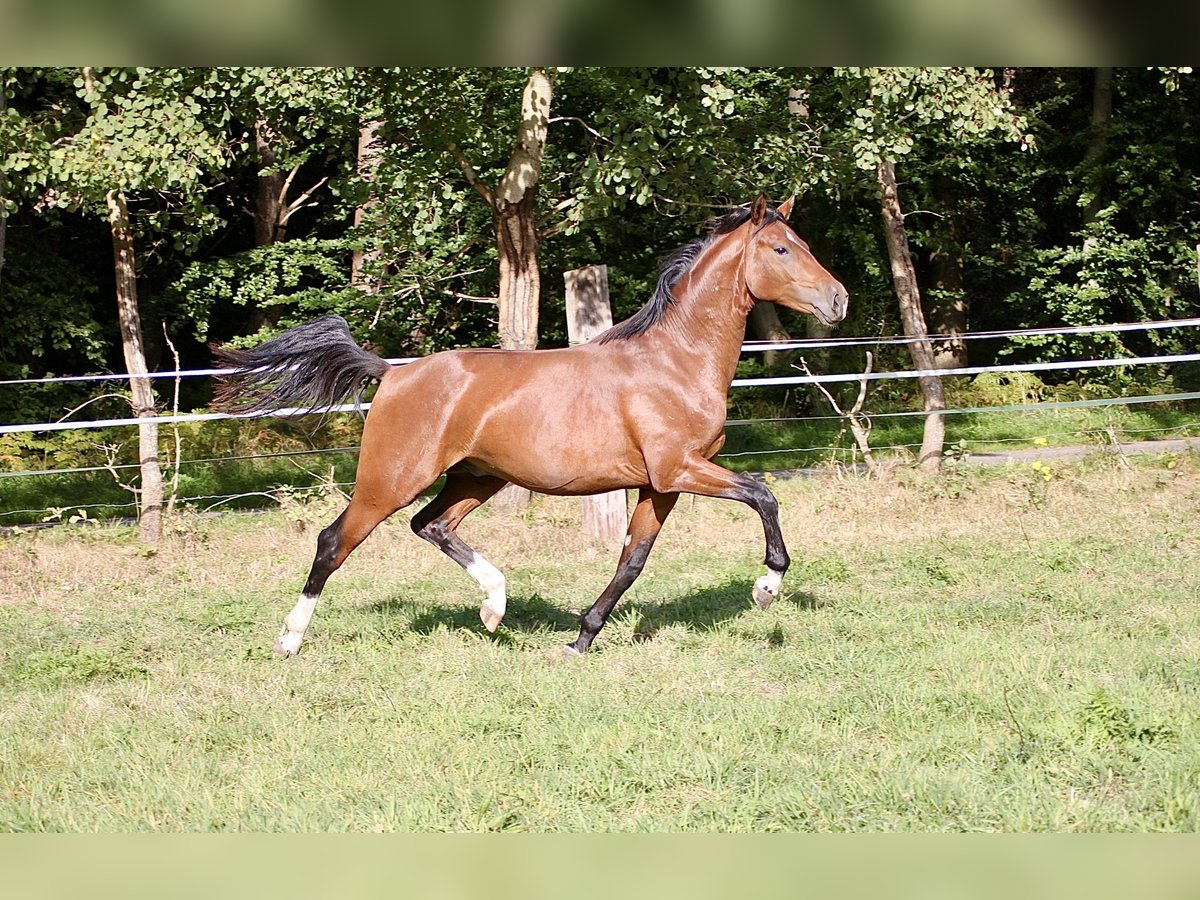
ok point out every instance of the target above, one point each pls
(758, 211)
(785, 208)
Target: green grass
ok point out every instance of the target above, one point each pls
(995, 651)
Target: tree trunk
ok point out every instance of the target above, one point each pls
(765, 325)
(268, 203)
(1092, 176)
(366, 254)
(512, 205)
(268, 196)
(904, 279)
(948, 307)
(151, 495)
(520, 280)
(947, 302)
(516, 229)
(1102, 99)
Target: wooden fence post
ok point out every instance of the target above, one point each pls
(588, 314)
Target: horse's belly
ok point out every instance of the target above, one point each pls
(562, 476)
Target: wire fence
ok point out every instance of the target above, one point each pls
(274, 494)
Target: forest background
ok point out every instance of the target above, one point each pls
(438, 208)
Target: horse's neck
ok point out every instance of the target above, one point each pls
(707, 323)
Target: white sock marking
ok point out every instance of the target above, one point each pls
(294, 626)
(770, 582)
(297, 620)
(491, 580)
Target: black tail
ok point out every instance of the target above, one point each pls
(314, 366)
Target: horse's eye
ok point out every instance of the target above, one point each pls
(782, 251)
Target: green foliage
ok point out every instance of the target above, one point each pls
(893, 107)
(679, 138)
(1001, 389)
(50, 323)
(995, 167)
(301, 276)
(1110, 276)
(1110, 238)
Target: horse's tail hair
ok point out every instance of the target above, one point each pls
(313, 367)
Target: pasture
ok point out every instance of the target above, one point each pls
(1016, 649)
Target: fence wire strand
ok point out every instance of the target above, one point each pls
(749, 347)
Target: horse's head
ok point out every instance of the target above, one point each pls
(781, 269)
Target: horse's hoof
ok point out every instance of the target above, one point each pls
(570, 654)
(288, 643)
(490, 618)
(764, 592)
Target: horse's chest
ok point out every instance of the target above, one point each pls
(699, 416)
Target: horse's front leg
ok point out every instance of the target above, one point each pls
(644, 525)
(697, 475)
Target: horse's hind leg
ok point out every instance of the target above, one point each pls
(644, 525)
(334, 544)
(437, 522)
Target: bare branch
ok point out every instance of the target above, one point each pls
(586, 127)
(299, 203)
(471, 297)
(281, 201)
(72, 412)
(110, 463)
(175, 411)
(472, 176)
(860, 425)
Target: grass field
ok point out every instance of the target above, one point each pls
(1006, 650)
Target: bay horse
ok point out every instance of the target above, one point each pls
(642, 406)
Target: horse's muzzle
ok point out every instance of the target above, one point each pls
(835, 307)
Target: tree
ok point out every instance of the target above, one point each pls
(904, 277)
(3, 177)
(1100, 225)
(129, 319)
(364, 262)
(893, 108)
(511, 203)
(630, 161)
(144, 133)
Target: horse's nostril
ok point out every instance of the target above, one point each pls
(840, 302)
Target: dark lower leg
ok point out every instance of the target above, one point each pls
(701, 476)
(648, 516)
(329, 543)
(334, 544)
(767, 507)
(437, 522)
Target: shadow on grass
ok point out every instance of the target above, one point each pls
(524, 613)
(707, 608)
(701, 610)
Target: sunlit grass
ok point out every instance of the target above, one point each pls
(993, 651)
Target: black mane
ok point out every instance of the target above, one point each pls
(672, 268)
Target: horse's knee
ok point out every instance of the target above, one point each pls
(422, 518)
(329, 541)
(429, 529)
